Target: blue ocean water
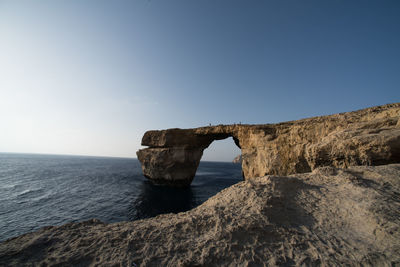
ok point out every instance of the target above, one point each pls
(42, 190)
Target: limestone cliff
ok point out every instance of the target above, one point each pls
(365, 137)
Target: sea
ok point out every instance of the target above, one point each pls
(42, 190)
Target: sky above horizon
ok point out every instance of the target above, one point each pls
(90, 77)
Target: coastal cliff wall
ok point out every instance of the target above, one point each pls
(365, 137)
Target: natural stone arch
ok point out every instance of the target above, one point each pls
(365, 137)
(174, 155)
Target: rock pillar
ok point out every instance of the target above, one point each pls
(170, 166)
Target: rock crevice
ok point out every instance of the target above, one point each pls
(369, 136)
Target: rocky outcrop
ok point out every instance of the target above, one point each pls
(330, 217)
(366, 137)
(237, 159)
(174, 154)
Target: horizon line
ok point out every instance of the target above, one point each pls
(92, 156)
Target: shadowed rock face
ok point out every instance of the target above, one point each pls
(365, 137)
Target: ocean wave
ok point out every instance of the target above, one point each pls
(28, 192)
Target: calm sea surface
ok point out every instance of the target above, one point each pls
(42, 190)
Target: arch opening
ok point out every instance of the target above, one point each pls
(216, 169)
(222, 150)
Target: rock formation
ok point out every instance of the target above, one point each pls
(237, 159)
(330, 217)
(365, 137)
(335, 215)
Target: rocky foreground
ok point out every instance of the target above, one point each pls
(328, 217)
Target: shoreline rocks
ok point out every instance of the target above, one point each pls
(237, 159)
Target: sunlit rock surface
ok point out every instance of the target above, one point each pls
(365, 137)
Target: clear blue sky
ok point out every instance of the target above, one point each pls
(90, 77)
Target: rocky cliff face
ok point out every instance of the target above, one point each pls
(237, 159)
(365, 137)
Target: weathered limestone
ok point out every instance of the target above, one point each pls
(365, 137)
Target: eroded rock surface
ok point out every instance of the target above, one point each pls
(330, 217)
(365, 137)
